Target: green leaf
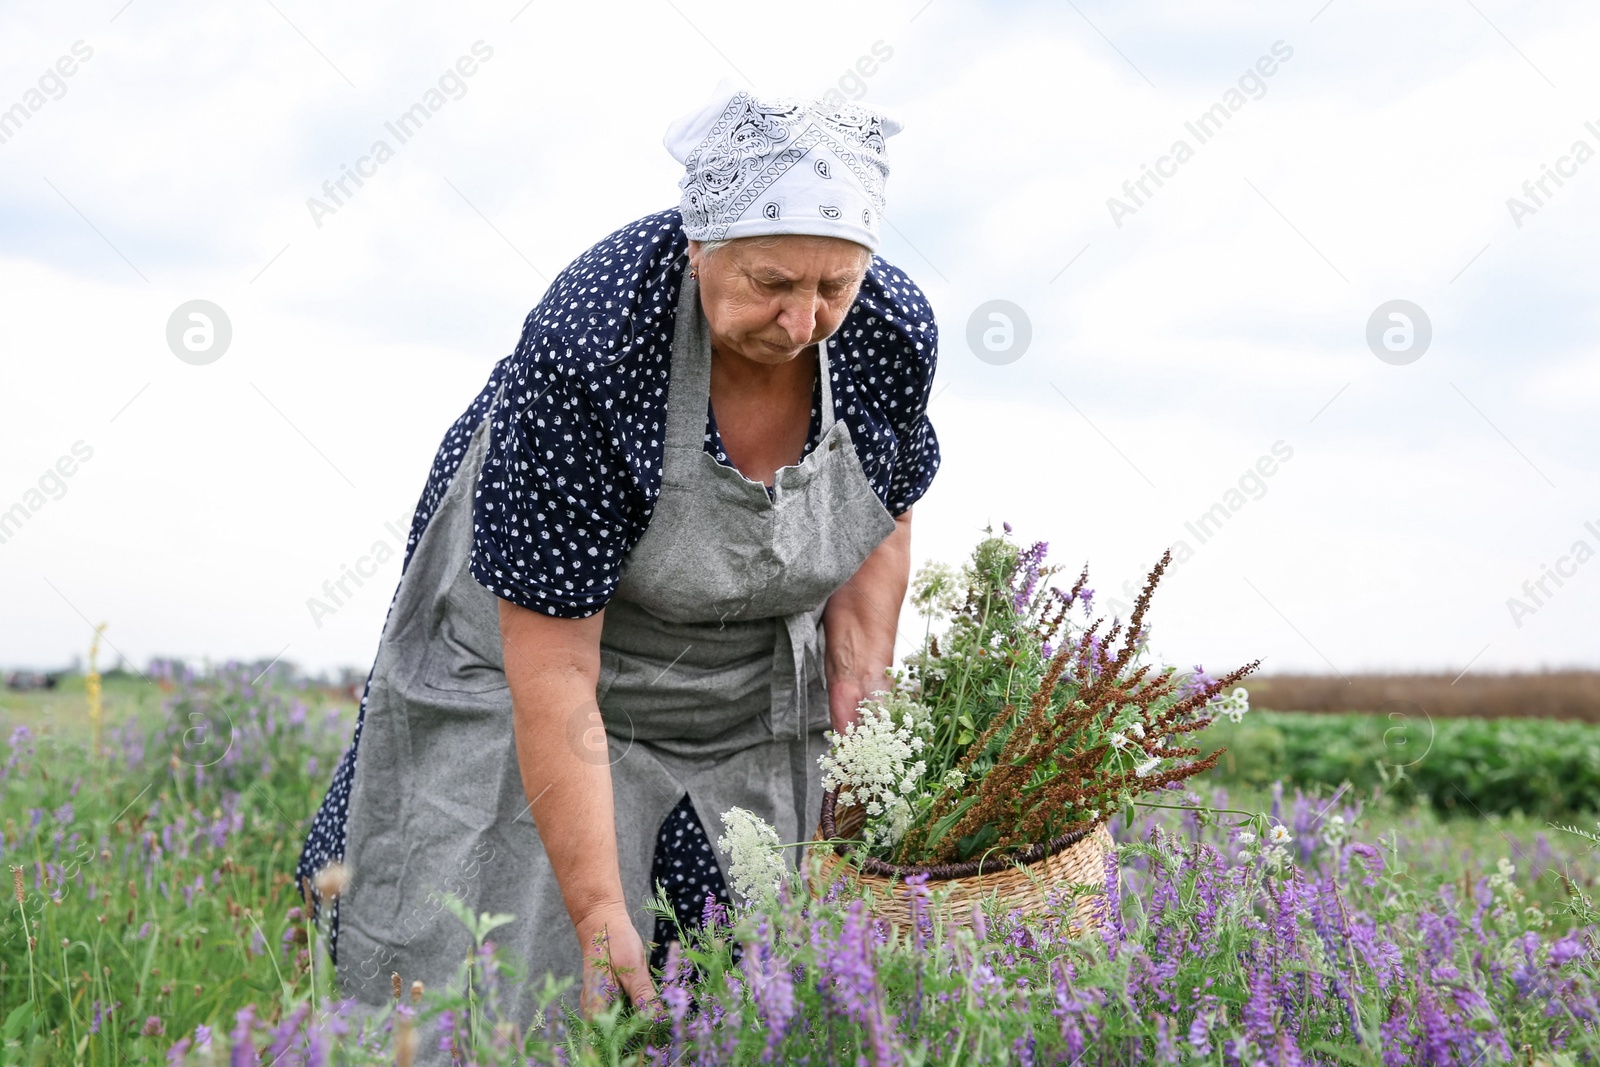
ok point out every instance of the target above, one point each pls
(20, 1017)
(978, 842)
(1340, 1052)
(944, 825)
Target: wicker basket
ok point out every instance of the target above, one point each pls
(1021, 880)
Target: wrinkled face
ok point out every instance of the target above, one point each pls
(769, 298)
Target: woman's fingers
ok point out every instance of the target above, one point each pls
(641, 990)
(631, 968)
(615, 958)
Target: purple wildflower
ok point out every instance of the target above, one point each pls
(1396, 1036)
(244, 1049)
(1258, 1008)
(1022, 1049)
(1166, 1051)
(1026, 577)
(771, 987)
(1200, 1033)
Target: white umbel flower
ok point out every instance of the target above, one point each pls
(936, 589)
(754, 865)
(871, 763)
(889, 830)
(1234, 705)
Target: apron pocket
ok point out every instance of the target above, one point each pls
(465, 655)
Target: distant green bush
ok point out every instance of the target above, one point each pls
(1540, 767)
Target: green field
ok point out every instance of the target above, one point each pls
(157, 874)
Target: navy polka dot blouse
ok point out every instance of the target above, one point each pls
(573, 467)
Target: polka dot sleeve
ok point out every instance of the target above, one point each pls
(557, 511)
(896, 345)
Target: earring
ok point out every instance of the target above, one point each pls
(693, 273)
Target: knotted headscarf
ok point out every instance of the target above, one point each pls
(781, 165)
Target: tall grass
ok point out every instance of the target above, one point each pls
(155, 877)
(156, 891)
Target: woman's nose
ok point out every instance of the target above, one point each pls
(799, 320)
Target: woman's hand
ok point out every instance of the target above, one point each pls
(861, 620)
(612, 949)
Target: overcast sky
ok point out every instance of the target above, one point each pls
(1182, 337)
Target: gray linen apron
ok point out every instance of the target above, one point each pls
(711, 684)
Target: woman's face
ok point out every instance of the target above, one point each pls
(769, 298)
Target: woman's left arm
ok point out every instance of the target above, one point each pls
(860, 622)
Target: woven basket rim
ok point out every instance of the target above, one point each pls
(940, 872)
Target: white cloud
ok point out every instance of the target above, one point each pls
(1191, 338)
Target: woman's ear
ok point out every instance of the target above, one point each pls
(694, 254)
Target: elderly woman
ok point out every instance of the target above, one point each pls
(658, 555)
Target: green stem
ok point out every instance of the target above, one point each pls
(1184, 807)
(72, 1014)
(271, 950)
(33, 991)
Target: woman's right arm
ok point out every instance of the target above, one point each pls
(553, 666)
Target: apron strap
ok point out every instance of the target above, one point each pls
(689, 376)
(825, 376)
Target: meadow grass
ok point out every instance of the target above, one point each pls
(158, 907)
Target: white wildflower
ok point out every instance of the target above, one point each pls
(954, 779)
(1245, 855)
(1246, 837)
(1119, 740)
(1137, 730)
(755, 866)
(872, 761)
(1144, 769)
(1501, 883)
(1279, 835)
(1335, 831)
(1234, 705)
(936, 589)
(888, 830)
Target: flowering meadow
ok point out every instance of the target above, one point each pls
(158, 923)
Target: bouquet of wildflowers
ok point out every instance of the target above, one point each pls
(1018, 723)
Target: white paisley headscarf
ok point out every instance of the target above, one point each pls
(781, 165)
